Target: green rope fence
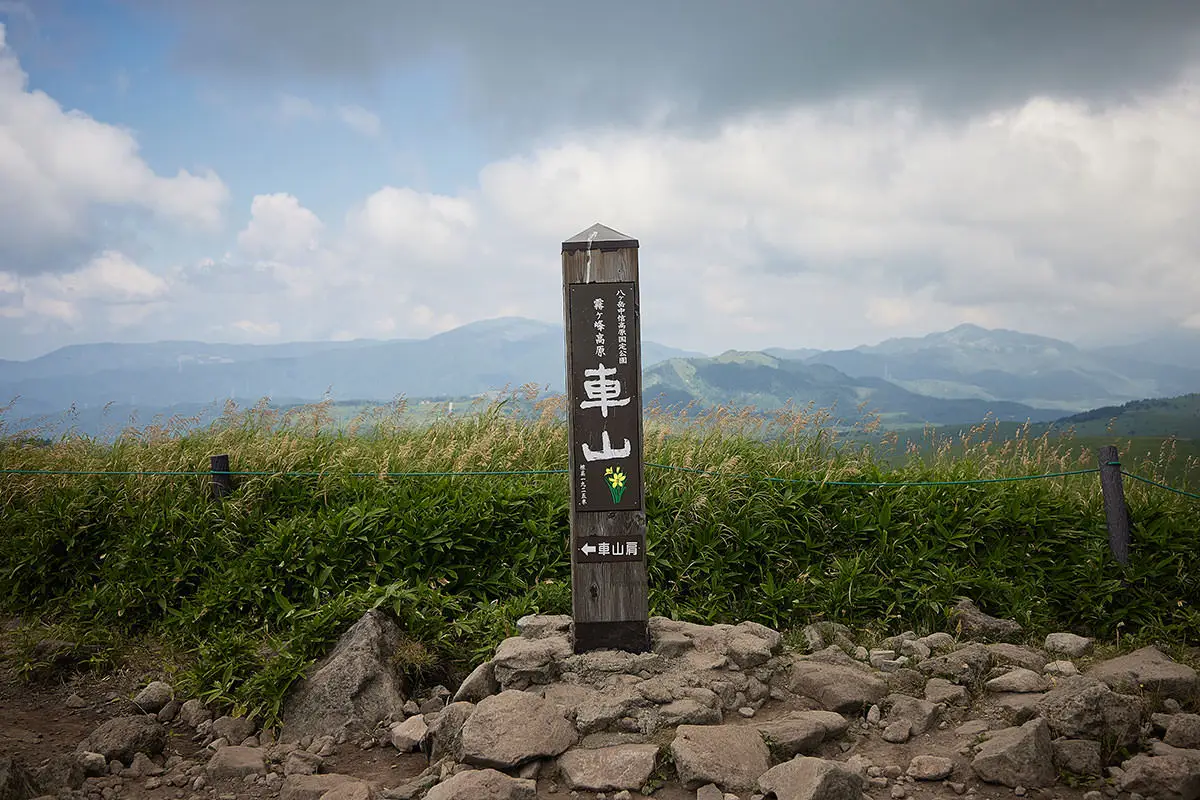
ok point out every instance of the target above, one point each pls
(529, 472)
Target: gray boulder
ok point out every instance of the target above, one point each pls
(234, 730)
(967, 665)
(1078, 756)
(1018, 679)
(1020, 756)
(1183, 730)
(731, 756)
(513, 727)
(479, 684)
(154, 697)
(801, 731)
(520, 662)
(314, 787)
(1150, 670)
(121, 738)
(1069, 645)
(483, 784)
(840, 688)
(236, 762)
(354, 687)
(606, 769)
(1084, 708)
(539, 626)
(805, 778)
(920, 714)
(408, 735)
(971, 623)
(1163, 777)
(445, 730)
(929, 768)
(194, 712)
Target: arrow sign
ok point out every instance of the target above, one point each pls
(588, 549)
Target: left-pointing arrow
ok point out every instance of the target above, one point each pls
(588, 549)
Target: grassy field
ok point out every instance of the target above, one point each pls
(247, 590)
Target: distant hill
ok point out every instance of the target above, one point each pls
(970, 362)
(1167, 416)
(768, 383)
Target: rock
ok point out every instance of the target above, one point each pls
(193, 712)
(122, 737)
(168, 712)
(915, 648)
(897, 732)
(710, 791)
(233, 729)
(1017, 708)
(940, 690)
(520, 663)
(1012, 655)
(687, 711)
(1062, 668)
(1078, 756)
(539, 626)
(408, 735)
(144, 767)
(479, 684)
(938, 642)
(482, 784)
(920, 714)
(1170, 777)
(94, 764)
(1068, 644)
(313, 787)
(1183, 730)
(799, 732)
(513, 727)
(354, 687)
(16, 781)
(302, 762)
(1083, 708)
(972, 623)
(973, 728)
(62, 771)
(929, 768)
(351, 790)
(1150, 670)
(1020, 756)
(731, 756)
(1018, 679)
(844, 689)
(445, 730)
(749, 644)
(236, 761)
(608, 768)
(152, 698)
(966, 665)
(805, 778)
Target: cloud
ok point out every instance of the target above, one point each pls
(66, 177)
(110, 289)
(16, 9)
(279, 228)
(292, 107)
(527, 63)
(361, 120)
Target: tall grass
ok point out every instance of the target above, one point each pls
(256, 585)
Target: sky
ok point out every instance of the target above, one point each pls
(799, 173)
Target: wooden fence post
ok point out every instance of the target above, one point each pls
(222, 482)
(609, 603)
(1115, 510)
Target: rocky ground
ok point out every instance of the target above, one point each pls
(712, 713)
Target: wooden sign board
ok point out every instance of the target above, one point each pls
(608, 520)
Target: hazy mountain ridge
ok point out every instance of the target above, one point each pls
(947, 377)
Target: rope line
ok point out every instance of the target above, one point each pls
(1160, 485)
(527, 472)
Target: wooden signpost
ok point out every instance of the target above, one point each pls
(608, 501)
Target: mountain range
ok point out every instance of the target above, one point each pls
(947, 377)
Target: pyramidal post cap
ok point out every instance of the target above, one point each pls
(598, 237)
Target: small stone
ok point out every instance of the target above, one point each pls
(1063, 668)
(957, 788)
(897, 732)
(1068, 644)
(709, 791)
(874, 714)
(746, 711)
(152, 698)
(1019, 791)
(199, 783)
(899, 792)
(930, 768)
(153, 783)
(75, 701)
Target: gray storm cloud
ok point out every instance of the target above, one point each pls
(532, 62)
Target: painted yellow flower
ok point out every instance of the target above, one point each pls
(615, 477)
